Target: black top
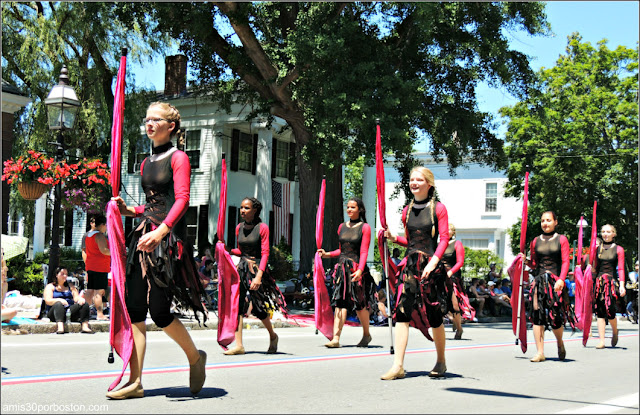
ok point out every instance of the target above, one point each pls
(249, 241)
(350, 241)
(607, 260)
(419, 227)
(548, 255)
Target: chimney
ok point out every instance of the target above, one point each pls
(175, 76)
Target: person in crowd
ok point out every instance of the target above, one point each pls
(395, 257)
(382, 316)
(207, 272)
(259, 293)
(453, 259)
(60, 296)
(571, 287)
(422, 293)
(549, 305)
(476, 297)
(354, 287)
(499, 296)
(609, 283)
(7, 313)
(485, 291)
(97, 260)
(160, 268)
(506, 286)
(493, 275)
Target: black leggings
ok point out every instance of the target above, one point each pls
(79, 313)
(159, 305)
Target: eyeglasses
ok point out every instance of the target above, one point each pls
(154, 121)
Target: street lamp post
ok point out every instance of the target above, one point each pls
(62, 106)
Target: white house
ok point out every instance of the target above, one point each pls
(475, 201)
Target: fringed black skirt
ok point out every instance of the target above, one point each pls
(426, 302)
(554, 310)
(164, 277)
(266, 299)
(354, 296)
(607, 292)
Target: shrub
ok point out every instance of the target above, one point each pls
(281, 262)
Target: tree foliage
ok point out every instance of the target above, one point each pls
(38, 38)
(578, 129)
(329, 69)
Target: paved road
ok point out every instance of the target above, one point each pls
(487, 373)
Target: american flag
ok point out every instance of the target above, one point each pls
(280, 196)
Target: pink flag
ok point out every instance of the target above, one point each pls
(579, 280)
(516, 274)
(587, 281)
(323, 313)
(228, 278)
(120, 334)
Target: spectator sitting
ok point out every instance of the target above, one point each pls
(7, 313)
(499, 296)
(59, 296)
(488, 296)
(207, 272)
(506, 286)
(381, 316)
(207, 254)
(474, 296)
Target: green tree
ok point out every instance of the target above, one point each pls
(578, 130)
(476, 263)
(39, 37)
(329, 69)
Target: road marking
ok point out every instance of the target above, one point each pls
(607, 407)
(6, 381)
(199, 339)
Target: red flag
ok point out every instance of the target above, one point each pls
(228, 278)
(323, 313)
(579, 280)
(120, 334)
(516, 273)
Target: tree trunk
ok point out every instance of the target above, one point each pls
(333, 212)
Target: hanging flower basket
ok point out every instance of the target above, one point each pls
(86, 186)
(31, 190)
(32, 172)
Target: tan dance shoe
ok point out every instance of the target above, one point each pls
(128, 391)
(198, 373)
(236, 350)
(562, 352)
(539, 357)
(273, 345)
(393, 374)
(438, 370)
(364, 342)
(600, 346)
(333, 344)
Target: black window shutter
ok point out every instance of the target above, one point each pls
(68, 228)
(231, 227)
(203, 227)
(235, 149)
(254, 155)
(292, 161)
(274, 157)
(131, 159)
(291, 229)
(271, 224)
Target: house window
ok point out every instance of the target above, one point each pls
(245, 152)
(192, 147)
(191, 219)
(282, 160)
(138, 151)
(476, 243)
(14, 224)
(491, 197)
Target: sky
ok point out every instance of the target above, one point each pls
(616, 21)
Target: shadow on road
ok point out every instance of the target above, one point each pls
(485, 392)
(5, 371)
(178, 394)
(425, 373)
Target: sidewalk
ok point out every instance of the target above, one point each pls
(26, 324)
